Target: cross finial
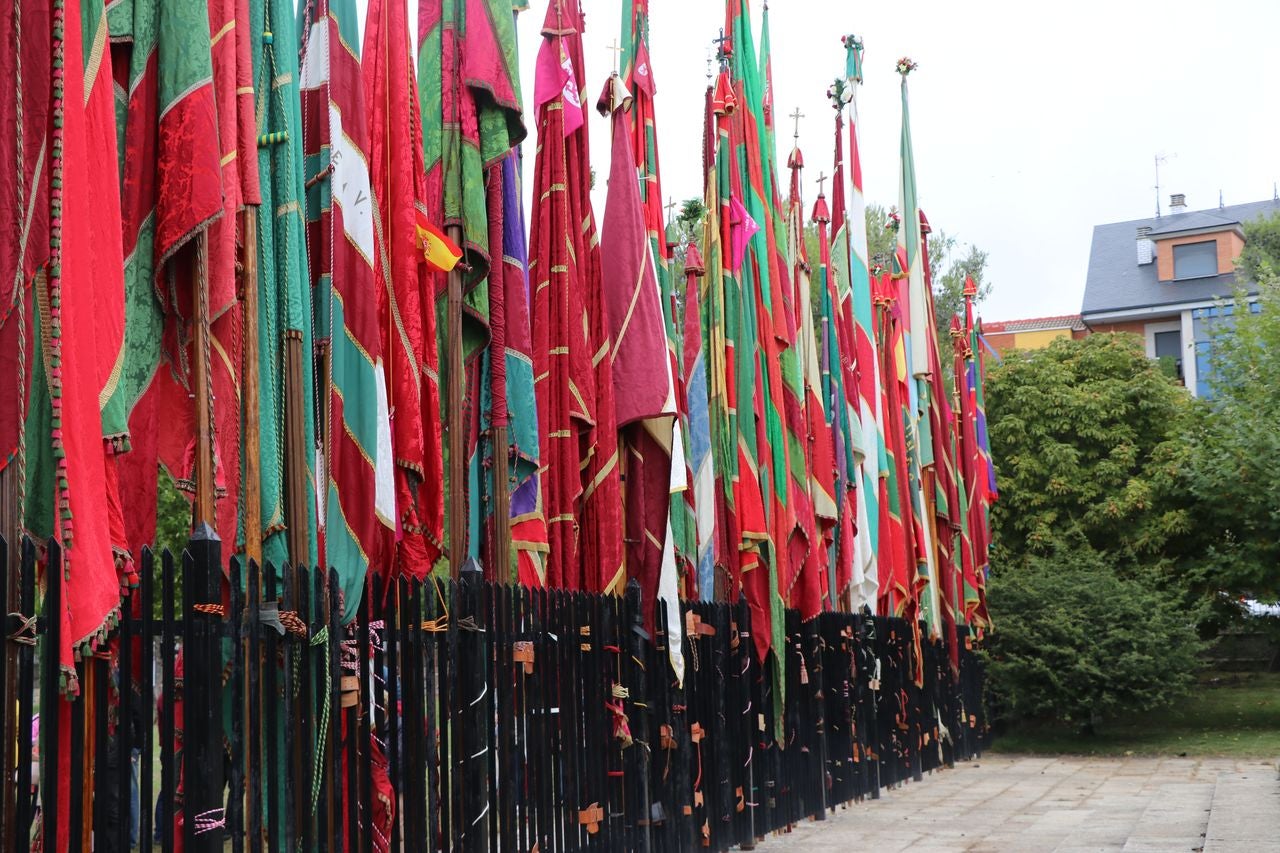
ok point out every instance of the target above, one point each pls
(671, 204)
(822, 179)
(724, 46)
(617, 54)
(797, 115)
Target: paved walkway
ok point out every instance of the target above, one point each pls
(1067, 805)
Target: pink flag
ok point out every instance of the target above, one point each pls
(553, 76)
(741, 229)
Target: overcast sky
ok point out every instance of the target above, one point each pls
(1031, 122)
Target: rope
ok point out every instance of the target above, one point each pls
(211, 609)
(293, 623)
(26, 631)
(321, 638)
(20, 278)
(209, 821)
(441, 622)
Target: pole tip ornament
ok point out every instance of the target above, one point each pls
(970, 287)
(893, 221)
(906, 65)
(840, 92)
(853, 58)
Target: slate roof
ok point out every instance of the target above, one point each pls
(1193, 221)
(1115, 281)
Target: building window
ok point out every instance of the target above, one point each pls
(1195, 260)
(1168, 347)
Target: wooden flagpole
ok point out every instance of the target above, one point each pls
(252, 389)
(252, 485)
(457, 458)
(501, 559)
(457, 511)
(202, 388)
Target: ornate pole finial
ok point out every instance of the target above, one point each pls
(853, 58)
(822, 179)
(671, 204)
(617, 54)
(796, 116)
(724, 46)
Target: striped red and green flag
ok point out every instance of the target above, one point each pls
(812, 587)
(857, 317)
(898, 583)
(768, 426)
(850, 558)
(358, 507)
(739, 521)
(172, 171)
(800, 552)
(919, 331)
(834, 396)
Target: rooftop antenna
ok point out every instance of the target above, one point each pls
(1159, 158)
(1220, 204)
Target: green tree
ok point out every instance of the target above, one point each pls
(1235, 442)
(1089, 441)
(1261, 256)
(688, 226)
(1077, 642)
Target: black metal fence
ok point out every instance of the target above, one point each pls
(467, 716)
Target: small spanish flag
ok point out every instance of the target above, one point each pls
(441, 253)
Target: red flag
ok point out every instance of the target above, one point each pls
(645, 399)
(406, 298)
(573, 370)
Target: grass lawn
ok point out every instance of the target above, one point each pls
(1234, 715)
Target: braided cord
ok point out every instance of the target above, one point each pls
(321, 638)
(20, 278)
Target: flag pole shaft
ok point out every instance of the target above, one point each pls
(252, 390)
(202, 386)
(296, 452)
(250, 381)
(501, 503)
(457, 459)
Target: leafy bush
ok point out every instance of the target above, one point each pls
(1235, 442)
(1088, 439)
(1077, 642)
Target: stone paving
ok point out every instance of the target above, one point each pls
(1067, 805)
